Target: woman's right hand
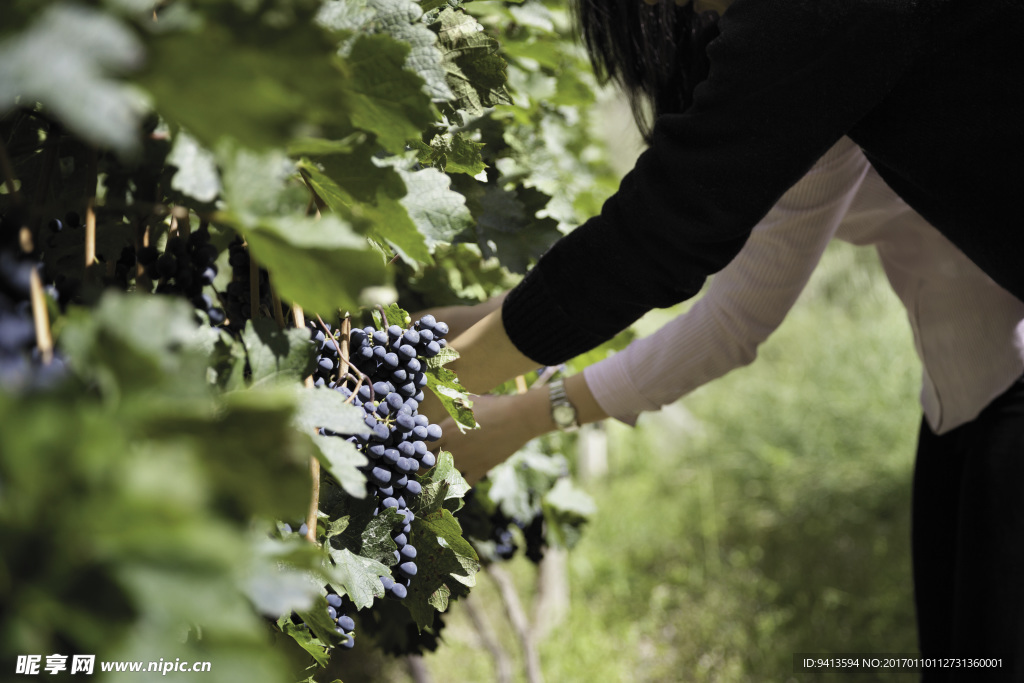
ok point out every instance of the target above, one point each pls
(506, 424)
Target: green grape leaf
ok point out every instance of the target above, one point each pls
(447, 565)
(132, 344)
(475, 71)
(305, 639)
(196, 175)
(227, 360)
(438, 212)
(455, 399)
(351, 184)
(66, 60)
(327, 408)
(441, 483)
(358, 576)
(342, 460)
(394, 315)
(248, 445)
(319, 264)
(384, 98)
(320, 623)
(277, 355)
(277, 588)
(401, 20)
(254, 94)
(452, 153)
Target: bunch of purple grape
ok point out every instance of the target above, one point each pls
(184, 268)
(387, 379)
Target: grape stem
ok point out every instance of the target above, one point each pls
(142, 281)
(314, 464)
(346, 325)
(41, 317)
(383, 317)
(90, 209)
(343, 351)
(180, 223)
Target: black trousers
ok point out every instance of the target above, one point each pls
(968, 542)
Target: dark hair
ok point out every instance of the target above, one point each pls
(655, 53)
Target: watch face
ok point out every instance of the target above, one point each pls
(564, 415)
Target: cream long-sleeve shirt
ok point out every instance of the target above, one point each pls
(969, 332)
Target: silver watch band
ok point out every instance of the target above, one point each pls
(562, 411)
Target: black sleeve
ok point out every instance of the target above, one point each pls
(788, 78)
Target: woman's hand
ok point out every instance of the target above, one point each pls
(506, 424)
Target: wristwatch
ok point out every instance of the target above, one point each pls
(562, 412)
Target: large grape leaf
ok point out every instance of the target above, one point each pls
(280, 577)
(383, 97)
(276, 355)
(475, 71)
(128, 344)
(305, 639)
(447, 562)
(67, 60)
(401, 20)
(232, 74)
(448, 565)
(439, 212)
(444, 487)
(320, 264)
(350, 184)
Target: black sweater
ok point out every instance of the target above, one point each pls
(932, 91)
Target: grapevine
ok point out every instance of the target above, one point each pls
(177, 179)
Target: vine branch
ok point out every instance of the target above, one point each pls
(91, 178)
(41, 318)
(502, 661)
(519, 621)
(314, 464)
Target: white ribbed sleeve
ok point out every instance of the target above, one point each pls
(950, 308)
